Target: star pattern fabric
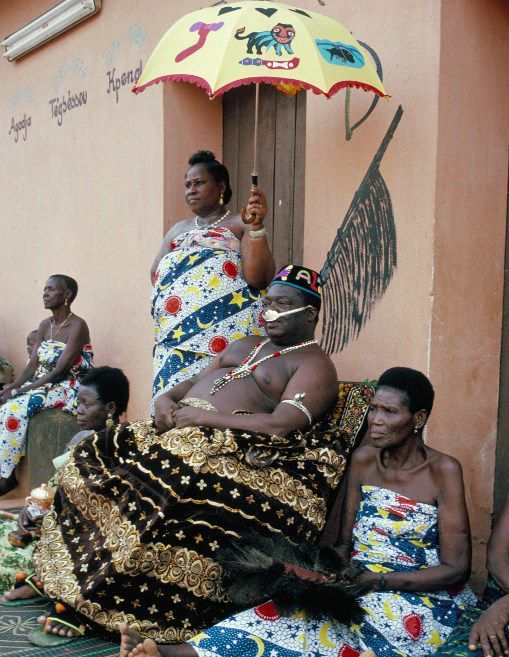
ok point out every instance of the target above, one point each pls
(15, 414)
(200, 304)
(391, 533)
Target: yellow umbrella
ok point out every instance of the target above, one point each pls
(225, 46)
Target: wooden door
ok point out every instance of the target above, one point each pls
(282, 139)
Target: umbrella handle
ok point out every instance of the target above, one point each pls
(243, 213)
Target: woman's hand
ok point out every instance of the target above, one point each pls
(164, 406)
(489, 630)
(5, 394)
(257, 206)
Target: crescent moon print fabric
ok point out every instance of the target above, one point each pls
(200, 303)
(17, 411)
(391, 533)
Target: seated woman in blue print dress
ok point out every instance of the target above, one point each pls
(60, 357)
(405, 525)
(207, 276)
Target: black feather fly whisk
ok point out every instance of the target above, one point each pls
(257, 569)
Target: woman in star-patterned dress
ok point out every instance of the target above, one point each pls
(405, 524)
(61, 356)
(208, 276)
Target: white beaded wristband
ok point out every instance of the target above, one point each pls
(256, 234)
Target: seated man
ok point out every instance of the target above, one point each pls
(140, 516)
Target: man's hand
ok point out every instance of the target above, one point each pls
(163, 410)
(489, 630)
(188, 417)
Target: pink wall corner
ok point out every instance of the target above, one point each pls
(471, 205)
(191, 122)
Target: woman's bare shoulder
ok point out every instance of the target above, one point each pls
(180, 227)
(442, 464)
(365, 455)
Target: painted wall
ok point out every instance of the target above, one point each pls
(91, 197)
(85, 192)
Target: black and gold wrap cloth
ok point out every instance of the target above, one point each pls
(140, 517)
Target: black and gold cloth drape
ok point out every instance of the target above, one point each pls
(139, 518)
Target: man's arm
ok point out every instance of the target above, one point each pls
(317, 381)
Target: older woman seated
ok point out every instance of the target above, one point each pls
(102, 399)
(59, 359)
(405, 526)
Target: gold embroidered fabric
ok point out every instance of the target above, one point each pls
(140, 517)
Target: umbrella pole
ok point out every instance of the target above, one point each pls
(254, 172)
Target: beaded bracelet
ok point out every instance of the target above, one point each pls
(255, 234)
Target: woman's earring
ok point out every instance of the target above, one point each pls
(416, 430)
(65, 302)
(221, 199)
(110, 421)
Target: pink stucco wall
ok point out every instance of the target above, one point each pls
(93, 196)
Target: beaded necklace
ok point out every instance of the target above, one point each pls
(52, 325)
(214, 223)
(247, 366)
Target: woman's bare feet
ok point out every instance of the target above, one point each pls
(22, 593)
(54, 627)
(129, 640)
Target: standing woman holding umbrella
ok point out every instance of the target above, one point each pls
(208, 276)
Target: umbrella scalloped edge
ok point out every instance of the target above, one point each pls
(201, 82)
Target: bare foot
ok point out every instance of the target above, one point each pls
(22, 593)
(150, 649)
(146, 649)
(367, 653)
(54, 627)
(129, 640)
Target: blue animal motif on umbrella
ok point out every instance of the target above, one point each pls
(279, 37)
(340, 54)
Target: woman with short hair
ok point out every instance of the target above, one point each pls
(61, 356)
(207, 276)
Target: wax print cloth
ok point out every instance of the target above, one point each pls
(200, 303)
(457, 643)
(140, 517)
(391, 533)
(15, 414)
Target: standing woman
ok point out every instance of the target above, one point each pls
(207, 276)
(61, 357)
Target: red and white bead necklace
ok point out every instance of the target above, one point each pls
(247, 366)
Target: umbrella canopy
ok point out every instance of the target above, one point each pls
(226, 46)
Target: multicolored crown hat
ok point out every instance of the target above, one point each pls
(302, 278)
